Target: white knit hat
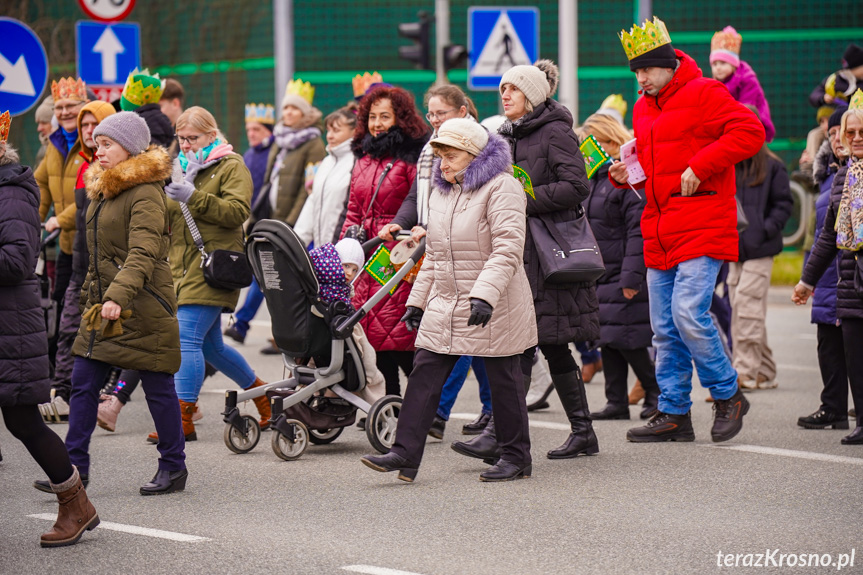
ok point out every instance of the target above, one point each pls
(462, 134)
(351, 252)
(538, 82)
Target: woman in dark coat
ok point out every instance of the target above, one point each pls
(539, 131)
(847, 184)
(389, 137)
(24, 369)
(624, 315)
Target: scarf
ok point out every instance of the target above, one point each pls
(204, 153)
(70, 137)
(849, 218)
(287, 139)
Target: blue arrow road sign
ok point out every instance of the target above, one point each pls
(23, 67)
(107, 52)
(498, 39)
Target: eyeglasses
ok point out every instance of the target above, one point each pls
(190, 140)
(852, 134)
(431, 116)
(69, 107)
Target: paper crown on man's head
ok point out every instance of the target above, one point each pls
(302, 89)
(261, 113)
(69, 89)
(5, 124)
(856, 102)
(361, 83)
(141, 88)
(642, 39)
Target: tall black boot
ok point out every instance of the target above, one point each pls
(484, 446)
(651, 399)
(582, 440)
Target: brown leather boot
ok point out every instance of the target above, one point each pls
(637, 393)
(590, 369)
(187, 410)
(76, 514)
(263, 405)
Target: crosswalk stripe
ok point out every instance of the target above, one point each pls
(134, 530)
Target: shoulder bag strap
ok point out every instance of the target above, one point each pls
(193, 229)
(375, 195)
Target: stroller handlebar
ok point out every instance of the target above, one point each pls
(49, 238)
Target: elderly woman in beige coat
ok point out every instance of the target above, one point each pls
(471, 297)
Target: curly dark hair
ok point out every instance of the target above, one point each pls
(408, 118)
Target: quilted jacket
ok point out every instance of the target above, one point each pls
(692, 123)
(382, 325)
(56, 176)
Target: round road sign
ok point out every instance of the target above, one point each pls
(107, 10)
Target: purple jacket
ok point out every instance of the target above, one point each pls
(745, 88)
(331, 277)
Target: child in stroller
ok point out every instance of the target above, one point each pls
(318, 333)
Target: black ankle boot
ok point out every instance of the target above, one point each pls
(582, 440)
(651, 400)
(483, 446)
(856, 436)
(165, 482)
(392, 462)
(503, 470)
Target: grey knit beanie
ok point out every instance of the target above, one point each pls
(127, 129)
(45, 111)
(538, 82)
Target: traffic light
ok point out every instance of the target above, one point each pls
(454, 56)
(420, 52)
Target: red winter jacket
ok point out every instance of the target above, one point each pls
(692, 122)
(382, 325)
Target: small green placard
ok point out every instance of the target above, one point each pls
(380, 268)
(594, 155)
(522, 177)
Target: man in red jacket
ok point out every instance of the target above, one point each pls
(690, 132)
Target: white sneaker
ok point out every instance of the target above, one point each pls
(56, 410)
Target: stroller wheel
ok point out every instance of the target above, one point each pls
(324, 436)
(287, 449)
(240, 442)
(381, 422)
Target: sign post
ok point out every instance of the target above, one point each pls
(498, 39)
(23, 67)
(106, 54)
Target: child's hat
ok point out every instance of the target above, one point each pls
(351, 252)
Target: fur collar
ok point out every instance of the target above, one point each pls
(493, 160)
(151, 166)
(393, 142)
(824, 163)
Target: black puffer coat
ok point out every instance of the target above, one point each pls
(615, 217)
(24, 365)
(849, 305)
(545, 146)
(161, 131)
(768, 207)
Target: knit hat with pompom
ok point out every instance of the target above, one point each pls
(538, 82)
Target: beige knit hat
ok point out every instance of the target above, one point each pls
(45, 111)
(538, 82)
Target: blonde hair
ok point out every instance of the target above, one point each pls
(843, 138)
(200, 120)
(607, 129)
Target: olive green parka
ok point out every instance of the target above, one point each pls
(128, 240)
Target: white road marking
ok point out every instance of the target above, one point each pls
(791, 453)
(134, 530)
(372, 570)
(537, 424)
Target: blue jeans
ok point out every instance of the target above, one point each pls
(588, 355)
(200, 339)
(683, 331)
(455, 381)
(246, 314)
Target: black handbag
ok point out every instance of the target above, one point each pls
(223, 269)
(568, 252)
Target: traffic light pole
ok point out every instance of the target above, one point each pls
(441, 13)
(283, 46)
(568, 54)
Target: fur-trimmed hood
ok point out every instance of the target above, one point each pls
(824, 163)
(393, 142)
(151, 166)
(493, 160)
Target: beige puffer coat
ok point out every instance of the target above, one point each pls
(474, 249)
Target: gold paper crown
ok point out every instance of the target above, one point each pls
(69, 89)
(5, 123)
(640, 40)
(615, 102)
(302, 89)
(143, 88)
(856, 102)
(728, 39)
(362, 83)
(261, 113)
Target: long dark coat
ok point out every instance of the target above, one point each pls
(615, 217)
(24, 367)
(545, 146)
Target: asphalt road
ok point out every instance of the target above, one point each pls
(665, 508)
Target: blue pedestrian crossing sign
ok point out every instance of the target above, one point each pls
(107, 52)
(498, 39)
(23, 67)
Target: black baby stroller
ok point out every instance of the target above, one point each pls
(304, 329)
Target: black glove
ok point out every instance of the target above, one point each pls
(480, 312)
(412, 318)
